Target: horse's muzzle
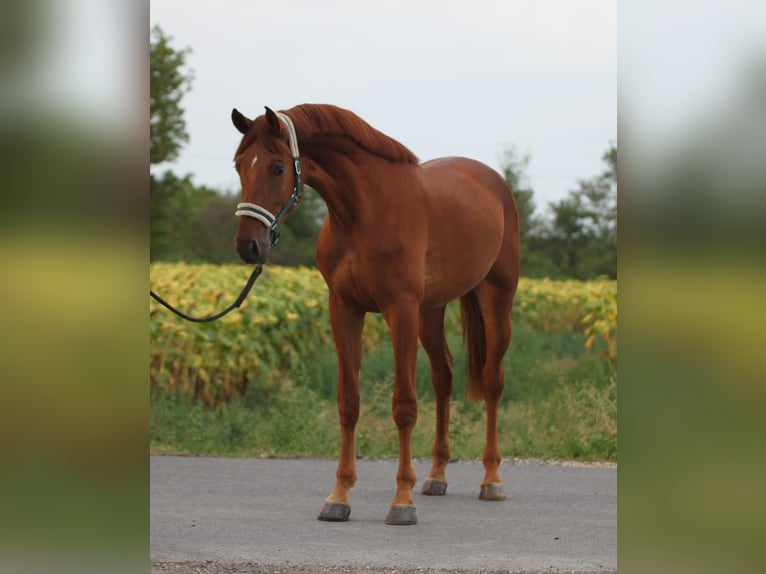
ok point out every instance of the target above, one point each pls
(251, 251)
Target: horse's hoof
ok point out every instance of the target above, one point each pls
(492, 491)
(434, 487)
(402, 515)
(335, 512)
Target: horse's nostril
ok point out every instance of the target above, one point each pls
(253, 249)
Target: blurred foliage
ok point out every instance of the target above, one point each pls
(74, 423)
(73, 245)
(693, 311)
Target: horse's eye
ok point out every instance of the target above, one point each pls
(278, 169)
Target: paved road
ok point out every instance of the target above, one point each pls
(263, 512)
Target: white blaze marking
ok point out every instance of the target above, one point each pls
(255, 159)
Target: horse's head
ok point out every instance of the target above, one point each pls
(267, 163)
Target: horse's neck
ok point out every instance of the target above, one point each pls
(350, 191)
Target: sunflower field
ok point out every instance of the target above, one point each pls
(285, 321)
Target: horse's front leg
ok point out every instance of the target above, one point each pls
(347, 323)
(403, 324)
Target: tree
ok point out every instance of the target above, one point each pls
(167, 86)
(535, 260)
(175, 206)
(582, 235)
(513, 169)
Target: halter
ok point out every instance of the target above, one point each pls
(264, 215)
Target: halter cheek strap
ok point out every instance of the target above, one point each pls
(264, 215)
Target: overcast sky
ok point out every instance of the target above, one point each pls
(443, 77)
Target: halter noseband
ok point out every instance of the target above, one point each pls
(264, 215)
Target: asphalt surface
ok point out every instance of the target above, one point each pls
(260, 515)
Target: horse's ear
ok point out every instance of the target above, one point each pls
(240, 122)
(273, 121)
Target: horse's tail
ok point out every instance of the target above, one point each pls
(476, 343)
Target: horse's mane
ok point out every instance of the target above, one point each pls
(326, 120)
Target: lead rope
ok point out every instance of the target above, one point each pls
(264, 216)
(237, 303)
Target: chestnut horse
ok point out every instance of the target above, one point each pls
(402, 239)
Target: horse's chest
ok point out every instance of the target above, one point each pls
(374, 264)
(343, 271)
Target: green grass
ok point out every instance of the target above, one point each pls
(559, 402)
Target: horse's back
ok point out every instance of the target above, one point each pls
(476, 170)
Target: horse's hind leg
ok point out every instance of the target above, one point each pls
(435, 345)
(495, 303)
